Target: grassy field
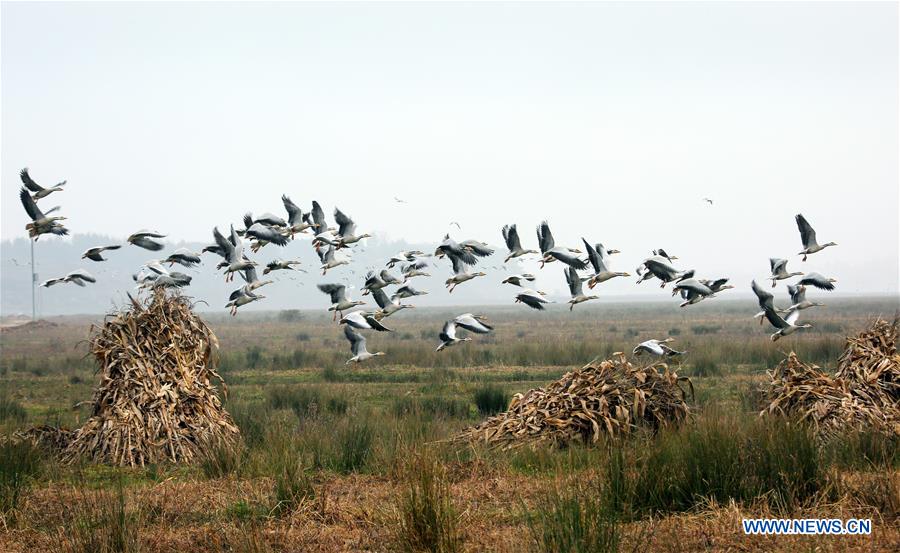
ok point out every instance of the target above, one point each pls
(338, 458)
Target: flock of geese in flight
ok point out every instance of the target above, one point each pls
(331, 243)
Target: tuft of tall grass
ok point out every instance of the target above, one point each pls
(306, 401)
(221, 458)
(490, 399)
(101, 522)
(718, 457)
(20, 463)
(864, 450)
(354, 447)
(426, 519)
(434, 406)
(10, 409)
(574, 519)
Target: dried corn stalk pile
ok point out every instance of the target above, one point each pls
(611, 398)
(864, 393)
(155, 401)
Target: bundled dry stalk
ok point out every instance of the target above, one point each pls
(864, 393)
(155, 401)
(611, 398)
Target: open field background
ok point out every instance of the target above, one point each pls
(355, 458)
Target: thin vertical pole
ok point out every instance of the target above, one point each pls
(33, 280)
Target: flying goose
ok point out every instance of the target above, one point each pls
(388, 306)
(808, 237)
(172, 279)
(233, 249)
(184, 257)
(656, 266)
(518, 280)
(551, 251)
(460, 273)
(798, 298)
(779, 270)
(265, 234)
(358, 346)
(786, 325)
(144, 239)
(329, 260)
(656, 347)
(414, 269)
(532, 299)
(389, 279)
(278, 265)
(407, 291)
(448, 336)
(39, 191)
(242, 298)
(297, 220)
(346, 230)
(94, 254)
(598, 258)
(575, 288)
(451, 248)
(408, 256)
(373, 282)
(364, 320)
(339, 300)
(41, 223)
(692, 290)
(817, 280)
(79, 277)
(511, 236)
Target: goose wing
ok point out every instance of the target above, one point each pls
(295, 214)
(346, 226)
(593, 257)
(797, 293)
(30, 206)
(338, 292)
(477, 248)
(545, 237)
(29, 182)
(765, 298)
(226, 246)
(778, 265)
(774, 318)
(357, 340)
(458, 266)
(380, 298)
(318, 217)
(807, 234)
(568, 258)
(448, 333)
(511, 236)
(573, 281)
(473, 324)
(817, 280)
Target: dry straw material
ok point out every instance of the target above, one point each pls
(155, 401)
(609, 398)
(863, 394)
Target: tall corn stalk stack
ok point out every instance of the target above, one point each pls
(606, 399)
(156, 401)
(863, 394)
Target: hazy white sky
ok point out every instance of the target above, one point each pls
(610, 120)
